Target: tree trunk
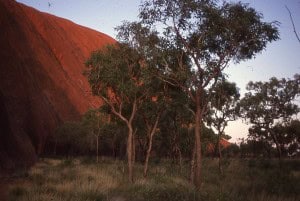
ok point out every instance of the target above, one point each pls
(133, 147)
(40, 148)
(113, 147)
(219, 155)
(97, 147)
(198, 141)
(148, 154)
(192, 176)
(130, 153)
(55, 147)
(151, 132)
(97, 138)
(277, 145)
(129, 145)
(278, 150)
(91, 144)
(180, 159)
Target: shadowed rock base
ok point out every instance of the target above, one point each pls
(41, 82)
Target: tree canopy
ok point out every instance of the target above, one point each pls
(197, 40)
(268, 104)
(184, 43)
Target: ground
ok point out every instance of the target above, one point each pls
(82, 179)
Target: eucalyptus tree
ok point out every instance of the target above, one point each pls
(150, 115)
(269, 103)
(293, 132)
(288, 135)
(118, 74)
(224, 99)
(93, 121)
(177, 125)
(197, 41)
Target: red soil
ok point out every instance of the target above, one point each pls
(41, 82)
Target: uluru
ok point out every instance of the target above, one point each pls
(41, 78)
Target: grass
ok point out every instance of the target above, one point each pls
(84, 180)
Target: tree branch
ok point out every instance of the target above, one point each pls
(292, 20)
(188, 49)
(134, 109)
(113, 109)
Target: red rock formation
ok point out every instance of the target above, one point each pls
(41, 82)
(210, 148)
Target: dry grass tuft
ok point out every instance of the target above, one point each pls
(79, 180)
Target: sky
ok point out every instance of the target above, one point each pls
(280, 59)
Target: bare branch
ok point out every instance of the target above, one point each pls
(292, 20)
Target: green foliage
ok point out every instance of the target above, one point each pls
(288, 135)
(70, 139)
(223, 107)
(224, 95)
(269, 107)
(115, 68)
(254, 148)
(274, 99)
(175, 127)
(206, 33)
(93, 121)
(194, 43)
(232, 151)
(77, 138)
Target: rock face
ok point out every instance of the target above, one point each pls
(211, 149)
(41, 78)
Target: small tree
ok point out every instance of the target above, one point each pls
(224, 109)
(93, 121)
(269, 103)
(151, 114)
(288, 135)
(177, 124)
(118, 74)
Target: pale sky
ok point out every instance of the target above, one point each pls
(280, 59)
